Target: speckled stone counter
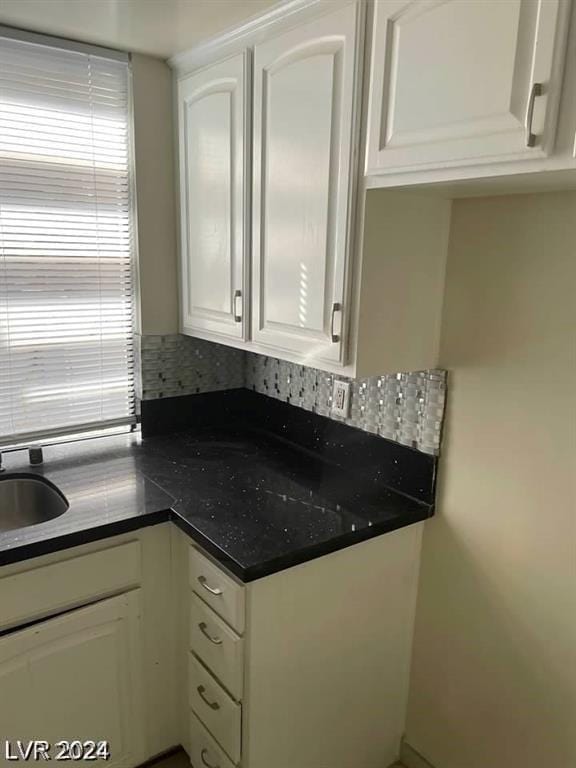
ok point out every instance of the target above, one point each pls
(260, 485)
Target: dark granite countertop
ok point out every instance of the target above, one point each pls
(254, 500)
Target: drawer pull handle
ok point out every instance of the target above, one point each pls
(207, 587)
(205, 760)
(336, 307)
(237, 298)
(535, 91)
(204, 629)
(212, 704)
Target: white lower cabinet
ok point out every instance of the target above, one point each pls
(324, 660)
(77, 677)
(304, 668)
(87, 648)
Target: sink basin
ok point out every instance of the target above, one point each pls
(27, 500)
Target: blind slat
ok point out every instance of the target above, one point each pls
(67, 355)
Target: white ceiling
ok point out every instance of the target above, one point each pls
(158, 27)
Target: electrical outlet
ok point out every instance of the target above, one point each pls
(341, 398)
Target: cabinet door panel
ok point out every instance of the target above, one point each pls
(212, 176)
(297, 206)
(451, 81)
(304, 100)
(77, 676)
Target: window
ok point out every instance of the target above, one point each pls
(66, 240)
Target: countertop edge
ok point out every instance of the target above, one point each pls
(88, 535)
(245, 575)
(303, 555)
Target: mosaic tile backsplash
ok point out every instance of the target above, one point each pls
(405, 407)
(180, 365)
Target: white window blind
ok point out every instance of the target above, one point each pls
(66, 241)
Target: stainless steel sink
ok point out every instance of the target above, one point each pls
(27, 500)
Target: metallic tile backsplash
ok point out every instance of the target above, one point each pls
(405, 407)
(180, 365)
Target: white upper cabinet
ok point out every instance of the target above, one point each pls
(317, 266)
(464, 83)
(305, 85)
(340, 280)
(212, 141)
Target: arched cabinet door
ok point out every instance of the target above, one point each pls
(464, 83)
(212, 161)
(305, 88)
(77, 677)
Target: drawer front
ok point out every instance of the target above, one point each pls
(221, 593)
(219, 647)
(55, 587)
(216, 709)
(204, 750)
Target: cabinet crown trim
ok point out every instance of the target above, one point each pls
(256, 29)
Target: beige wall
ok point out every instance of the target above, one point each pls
(494, 669)
(155, 191)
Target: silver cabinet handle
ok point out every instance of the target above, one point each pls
(536, 90)
(207, 587)
(336, 307)
(205, 760)
(237, 315)
(204, 629)
(212, 704)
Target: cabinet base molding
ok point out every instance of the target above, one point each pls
(165, 755)
(409, 758)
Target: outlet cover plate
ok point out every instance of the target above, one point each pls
(341, 398)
